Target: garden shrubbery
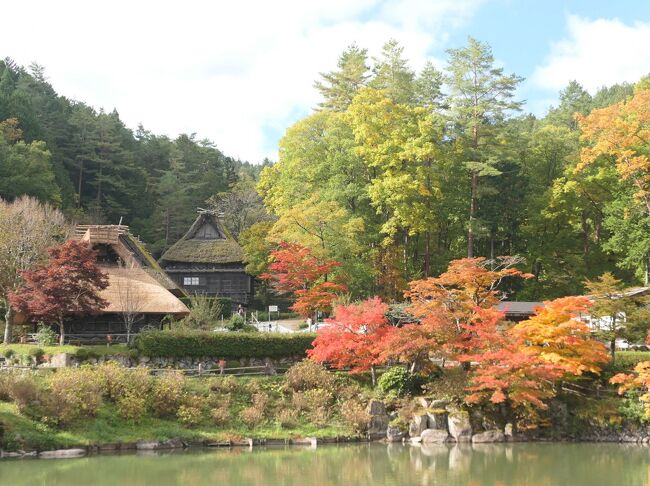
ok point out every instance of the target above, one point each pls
(178, 344)
(398, 381)
(307, 397)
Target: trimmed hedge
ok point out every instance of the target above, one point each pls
(627, 360)
(179, 344)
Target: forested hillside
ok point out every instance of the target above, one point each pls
(98, 170)
(397, 172)
(394, 174)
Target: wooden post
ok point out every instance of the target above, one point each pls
(200, 369)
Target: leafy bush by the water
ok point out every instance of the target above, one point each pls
(288, 418)
(221, 344)
(74, 393)
(307, 375)
(167, 394)
(355, 415)
(252, 416)
(190, 414)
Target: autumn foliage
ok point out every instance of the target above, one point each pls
(354, 337)
(446, 305)
(68, 284)
(521, 365)
(638, 380)
(294, 269)
(621, 131)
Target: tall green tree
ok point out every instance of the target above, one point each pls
(481, 96)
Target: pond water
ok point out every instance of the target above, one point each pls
(369, 464)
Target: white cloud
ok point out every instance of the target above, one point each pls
(596, 53)
(232, 72)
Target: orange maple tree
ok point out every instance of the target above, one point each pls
(446, 305)
(354, 337)
(522, 365)
(294, 269)
(638, 380)
(621, 131)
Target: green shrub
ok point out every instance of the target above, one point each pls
(120, 382)
(224, 384)
(627, 360)
(189, 415)
(221, 344)
(75, 393)
(45, 336)
(8, 353)
(167, 393)
(81, 354)
(208, 309)
(307, 375)
(397, 381)
(205, 312)
(131, 407)
(37, 354)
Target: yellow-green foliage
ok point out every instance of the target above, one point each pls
(167, 393)
(75, 393)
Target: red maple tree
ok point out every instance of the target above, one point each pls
(296, 270)
(68, 284)
(354, 336)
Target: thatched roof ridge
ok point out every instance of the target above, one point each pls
(135, 290)
(219, 249)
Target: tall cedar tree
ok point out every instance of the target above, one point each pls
(295, 270)
(481, 96)
(67, 285)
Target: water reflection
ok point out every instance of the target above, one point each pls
(376, 464)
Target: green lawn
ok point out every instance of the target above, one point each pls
(23, 349)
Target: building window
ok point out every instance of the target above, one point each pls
(190, 280)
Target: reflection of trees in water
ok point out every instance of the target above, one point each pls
(484, 464)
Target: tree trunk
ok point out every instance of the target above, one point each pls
(62, 333)
(472, 214)
(612, 349)
(427, 253)
(373, 375)
(9, 324)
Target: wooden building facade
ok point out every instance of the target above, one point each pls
(208, 261)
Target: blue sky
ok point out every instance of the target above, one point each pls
(239, 73)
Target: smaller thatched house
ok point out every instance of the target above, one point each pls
(139, 293)
(208, 261)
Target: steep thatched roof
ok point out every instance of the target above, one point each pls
(134, 290)
(137, 283)
(205, 242)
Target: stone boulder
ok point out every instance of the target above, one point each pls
(459, 426)
(433, 436)
(418, 424)
(394, 434)
(488, 436)
(378, 418)
(62, 454)
(437, 419)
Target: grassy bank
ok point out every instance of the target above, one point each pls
(64, 409)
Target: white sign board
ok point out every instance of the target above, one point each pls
(273, 308)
